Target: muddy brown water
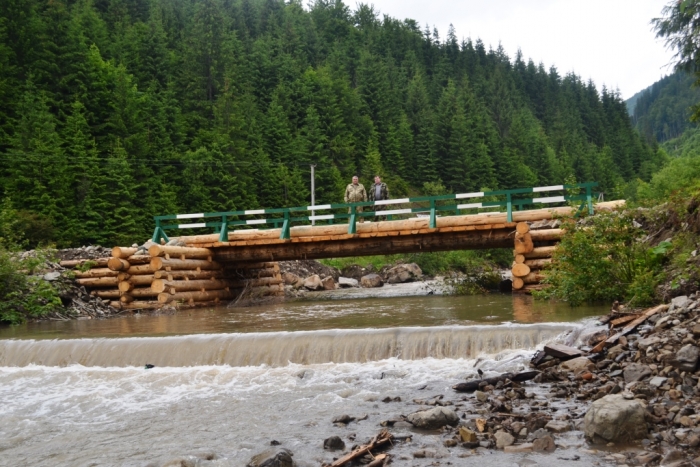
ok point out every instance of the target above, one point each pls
(229, 381)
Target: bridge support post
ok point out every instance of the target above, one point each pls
(223, 234)
(352, 226)
(589, 200)
(159, 234)
(433, 221)
(509, 207)
(285, 234)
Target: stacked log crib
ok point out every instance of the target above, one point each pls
(534, 244)
(173, 275)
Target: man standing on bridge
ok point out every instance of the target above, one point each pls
(378, 192)
(355, 193)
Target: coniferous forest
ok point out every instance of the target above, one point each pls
(112, 111)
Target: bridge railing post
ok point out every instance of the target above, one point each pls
(509, 208)
(433, 220)
(285, 234)
(159, 233)
(352, 226)
(223, 233)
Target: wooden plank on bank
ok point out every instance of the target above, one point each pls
(630, 327)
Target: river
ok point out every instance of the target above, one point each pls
(228, 381)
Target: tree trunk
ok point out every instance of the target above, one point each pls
(522, 227)
(541, 252)
(96, 272)
(123, 252)
(179, 264)
(520, 270)
(195, 296)
(98, 282)
(546, 234)
(523, 243)
(180, 252)
(160, 285)
(192, 275)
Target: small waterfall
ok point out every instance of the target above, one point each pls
(281, 348)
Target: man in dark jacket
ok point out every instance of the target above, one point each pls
(378, 192)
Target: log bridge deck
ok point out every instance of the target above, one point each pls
(441, 224)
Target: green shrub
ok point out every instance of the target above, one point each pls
(602, 260)
(23, 296)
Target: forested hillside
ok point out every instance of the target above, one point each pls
(662, 111)
(112, 111)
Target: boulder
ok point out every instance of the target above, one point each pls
(290, 278)
(679, 302)
(333, 443)
(578, 365)
(433, 419)
(636, 372)
(614, 418)
(503, 439)
(371, 280)
(273, 457)
(347, 282)
(313, 283)
(544, 444)
(687, 357)
(403, 273)
(328, 283)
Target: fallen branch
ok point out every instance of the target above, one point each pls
(471, 386)
(630, 327)
(382, 438)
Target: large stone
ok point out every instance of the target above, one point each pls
(290, 278)
(613, 418)
(558, 426)
(434, 418)
(648, 342)
(687, 357)
(636, 372)
(578, 365)
(328, 283)
(333, 443)
(503, 439)
(273, 457)
(347, 282)
(403, 273)
(679, 302)
(467, 435)
(313, 283)
(371, 280)
(544, 444)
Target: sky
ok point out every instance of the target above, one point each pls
(608, 41)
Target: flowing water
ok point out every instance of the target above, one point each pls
(227, 382)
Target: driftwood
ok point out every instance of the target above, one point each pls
(473, 385)
(562, 352)
(630, 327)
(382, 438)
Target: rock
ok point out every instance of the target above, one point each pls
(176, 242)
(434, 418)
(544, 444)
(503, 439)
(273, 457)
(578, 365)
(672, 456)
(657, 381)
(290, 278)
(558, 426)
(613, 418)
(636, 372)
(403, 273)
(347, 282)
(562, 352)
(687, 357)
(481, 396)
(345, 419)
(679, 302)
(467, 435)
(328, 283)
(356, 271)
(696, 330)
(648, 342)
(333, 443)
(647, 458)
(51, 276)
(371, 280)
(313, 283)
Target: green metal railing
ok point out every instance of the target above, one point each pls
(517, 199)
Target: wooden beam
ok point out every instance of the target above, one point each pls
(180, 251)
(368, 246)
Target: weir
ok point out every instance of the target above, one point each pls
(282, 348)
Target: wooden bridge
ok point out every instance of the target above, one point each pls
(435, 223)
(238, 258)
